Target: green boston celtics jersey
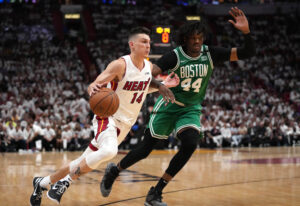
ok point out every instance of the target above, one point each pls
(194, 74)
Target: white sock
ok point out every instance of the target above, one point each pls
(68, 179)
(45, 182)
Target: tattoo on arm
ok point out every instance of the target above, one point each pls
(77, 172)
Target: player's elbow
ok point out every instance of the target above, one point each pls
(252, 51)
(249, 48)
(245, 53)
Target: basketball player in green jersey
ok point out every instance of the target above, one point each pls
(193, 62)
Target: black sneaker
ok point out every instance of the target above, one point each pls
(154, 198)
(57, 190)
(108, 180)
(36, 196)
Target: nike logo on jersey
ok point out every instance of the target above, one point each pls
(136, 85)
(183, 61)
(147, 73)
(204, 58)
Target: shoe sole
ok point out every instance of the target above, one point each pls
(52, 199)
(104, 192)
(148, 204)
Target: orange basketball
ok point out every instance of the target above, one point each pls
(104, 103)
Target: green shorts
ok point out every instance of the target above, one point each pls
(164, 119)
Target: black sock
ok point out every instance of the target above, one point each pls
(161, 185)
(115, 171)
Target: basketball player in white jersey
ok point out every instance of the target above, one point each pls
(130, 76)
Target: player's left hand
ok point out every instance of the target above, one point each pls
(172, 80)
(240, 20)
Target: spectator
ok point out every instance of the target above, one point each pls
(49, 140)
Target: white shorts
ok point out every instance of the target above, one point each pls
(108, 127)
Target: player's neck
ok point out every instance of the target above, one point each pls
(138, 61)
(190, 53)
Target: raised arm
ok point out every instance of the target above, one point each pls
(240, 22)
(114, 71)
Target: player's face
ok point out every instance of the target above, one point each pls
(141, 45)
(194, 43)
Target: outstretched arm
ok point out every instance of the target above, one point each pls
(172, 80)
(163, 87)
(240, 22)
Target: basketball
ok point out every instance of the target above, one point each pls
(104, 103)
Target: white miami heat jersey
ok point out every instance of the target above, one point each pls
(132, 91)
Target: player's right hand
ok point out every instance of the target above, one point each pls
(94, 88)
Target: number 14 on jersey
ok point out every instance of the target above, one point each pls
(139, 99)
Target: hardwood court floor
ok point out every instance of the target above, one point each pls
(237, 177)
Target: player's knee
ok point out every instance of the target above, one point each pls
(145, 153)
(109, 152)
(189, 139)
(74, 164)
(147, 145)
(100, 156)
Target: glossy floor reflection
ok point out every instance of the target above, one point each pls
(238, 177)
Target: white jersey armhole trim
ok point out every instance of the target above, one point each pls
(178, 61)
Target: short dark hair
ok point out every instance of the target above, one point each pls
(188, 29)
(138, 30)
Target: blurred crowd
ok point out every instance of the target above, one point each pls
(257, 99)
(44, 104)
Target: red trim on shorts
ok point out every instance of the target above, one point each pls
(102, 125)
(92, 147)
(118, 131)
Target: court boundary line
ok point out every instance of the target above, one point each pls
(203, 187)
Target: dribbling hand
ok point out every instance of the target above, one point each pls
(94, 88)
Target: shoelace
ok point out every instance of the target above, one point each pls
(39, 194)
(38, 191)
(62, 187)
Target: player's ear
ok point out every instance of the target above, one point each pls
(130, 43)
